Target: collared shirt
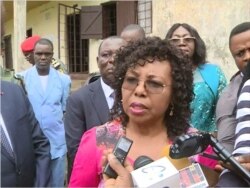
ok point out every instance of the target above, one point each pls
(108, 91)
(5, 130)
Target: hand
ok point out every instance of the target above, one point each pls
(123, 179)
(244, 160)
(219, 168)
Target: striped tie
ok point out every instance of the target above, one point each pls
(5, 143)
(112, 97)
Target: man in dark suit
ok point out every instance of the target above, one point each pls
(90, 105)
(25, 154)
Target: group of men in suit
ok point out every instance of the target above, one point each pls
(33, 138)
(33, 145)
(25, 150)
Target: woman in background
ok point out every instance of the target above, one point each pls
(209, 80)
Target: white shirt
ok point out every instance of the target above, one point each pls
(108, 91)
(2, 124)
(44, 81)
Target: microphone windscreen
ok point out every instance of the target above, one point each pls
(159, 173)
(178, 163)
(142, 161)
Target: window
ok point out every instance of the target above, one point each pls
(78, 49)
(29, 33)
(8, 52)
(108, 19)
(145, 15)
(71, 45)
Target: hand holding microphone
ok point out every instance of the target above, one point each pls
(147, 173)
(116, 170)
(244, 160)
(123, 178)
(195, 143)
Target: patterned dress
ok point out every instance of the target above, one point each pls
(204, 101)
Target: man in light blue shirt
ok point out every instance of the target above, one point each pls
(48, 90)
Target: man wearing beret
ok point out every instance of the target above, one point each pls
(27, 47)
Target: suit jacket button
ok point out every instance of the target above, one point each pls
(18, 171)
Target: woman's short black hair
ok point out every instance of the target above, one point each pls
(200, 51)
(141, 52)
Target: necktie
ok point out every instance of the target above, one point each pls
(5, 143)
(112, 97)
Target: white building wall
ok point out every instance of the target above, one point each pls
(213, 19)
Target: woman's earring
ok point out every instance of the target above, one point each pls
(171, 111)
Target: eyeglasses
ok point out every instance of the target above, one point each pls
(179, 40)
(46, 54)
(151, 86)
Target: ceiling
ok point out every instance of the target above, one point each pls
(8, 5)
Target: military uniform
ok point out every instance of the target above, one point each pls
(10, 76)
(59, 65)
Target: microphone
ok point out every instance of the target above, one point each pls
(227, 157)
(142, 161)
(150, 174)
(195, 143)
(162, 173)
(188, 145)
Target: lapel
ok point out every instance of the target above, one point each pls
(99, 101)
(7, 155)
(9, 120)
(34, 82)
(206, 70)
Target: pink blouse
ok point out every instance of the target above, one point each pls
(87, 168)
(87, 164)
